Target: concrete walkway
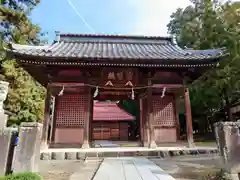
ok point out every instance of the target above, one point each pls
(130, 168)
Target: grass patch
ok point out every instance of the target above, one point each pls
(190, 173)
(129, 145)
(202, 174)
(22, 176)
(206, 143)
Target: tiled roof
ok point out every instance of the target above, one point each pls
(109, 111)
(89, 47)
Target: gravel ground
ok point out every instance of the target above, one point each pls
(68, 170)
(190, 167)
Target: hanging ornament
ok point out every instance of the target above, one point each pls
(133, 95)
(96, 92)
(109, 83)
(163, 92)
(129, 83)
(61, 92)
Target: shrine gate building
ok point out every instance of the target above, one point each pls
(77, 69)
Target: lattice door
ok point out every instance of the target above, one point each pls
(71, 110)
(163, 111)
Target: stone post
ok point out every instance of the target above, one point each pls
(228, 141)
(3, 96)
(5, 143)
(27, 153)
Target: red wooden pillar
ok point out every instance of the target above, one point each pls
(91, 118)
(56, 101)
(44, 137)
(176, 111)
(87, 119)
(145, 122)
(52, 119)
(188, 118)
(150, 127)
(141, 120)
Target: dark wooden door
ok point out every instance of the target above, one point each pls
(105, 130)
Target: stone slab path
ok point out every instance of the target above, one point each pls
(130, 168)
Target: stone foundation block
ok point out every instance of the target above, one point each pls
(193, 152)
(161, 154)
(166, 153)
(92, 154)
(141, 153)
(203, 151)
(153, 153)
(127, 154)
(71, 155)
(81, 156)
(110, 154)
(58, 155)
(174, 153)
(46, 156)
(181, 153)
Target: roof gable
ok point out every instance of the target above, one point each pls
(109, 111)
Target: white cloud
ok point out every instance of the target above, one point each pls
(154, 15)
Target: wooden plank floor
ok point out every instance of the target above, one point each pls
(130, 168)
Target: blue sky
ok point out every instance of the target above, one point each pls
(131, 17)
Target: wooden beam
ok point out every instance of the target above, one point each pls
(60, 84)
(167, 85)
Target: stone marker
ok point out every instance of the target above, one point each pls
(3, 96)
(3, 119)
(228, 141)
(27, 152)
(5, 141)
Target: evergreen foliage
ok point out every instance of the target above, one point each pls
(26, 96)
(209, 24)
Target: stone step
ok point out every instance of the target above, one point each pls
(68, 154)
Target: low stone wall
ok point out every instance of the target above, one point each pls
(228, 141)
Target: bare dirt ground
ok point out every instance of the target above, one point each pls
(67, 170)
(190, 167)
(181, 168)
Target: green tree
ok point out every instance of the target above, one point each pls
(132, 107)
(25, 97)
(208, 24)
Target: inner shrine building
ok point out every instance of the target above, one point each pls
(78, 69)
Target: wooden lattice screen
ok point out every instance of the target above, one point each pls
(163, 111)
(70, 110)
